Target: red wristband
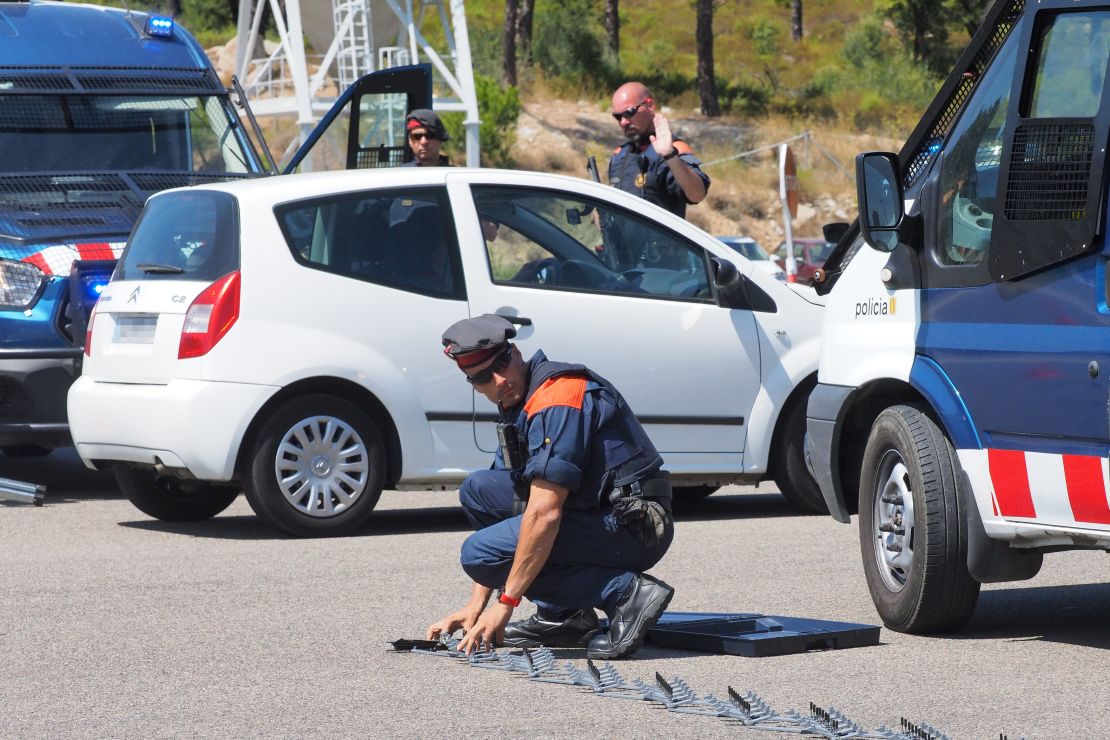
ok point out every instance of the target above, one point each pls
(507, 600)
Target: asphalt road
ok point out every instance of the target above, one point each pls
(113, 624)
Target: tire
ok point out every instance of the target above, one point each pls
(912, 527)
(172, 499)
(293, 479)
(791, 475)
(31, 450)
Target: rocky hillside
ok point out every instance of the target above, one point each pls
(557, 136)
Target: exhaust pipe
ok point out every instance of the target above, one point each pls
(27, 493)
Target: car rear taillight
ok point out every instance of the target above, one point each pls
(88, 332)
(210, 316)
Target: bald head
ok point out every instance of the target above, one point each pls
(629, 94)
(634, 110)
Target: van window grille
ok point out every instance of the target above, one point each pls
(83, 206)
(162, 81)
(380, 156)
(1050, 166)
(152, 182)
(923, 156)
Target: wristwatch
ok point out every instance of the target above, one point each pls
(504, 598)
(672, 155)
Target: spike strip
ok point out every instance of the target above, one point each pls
(749, 709)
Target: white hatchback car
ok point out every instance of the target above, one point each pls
(282, 337)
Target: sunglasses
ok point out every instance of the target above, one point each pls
(418, 136)
(627, 114)
(497, 366)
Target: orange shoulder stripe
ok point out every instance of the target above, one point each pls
(683, 147)
(564, 390)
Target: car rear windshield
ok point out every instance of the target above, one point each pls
(189, 235)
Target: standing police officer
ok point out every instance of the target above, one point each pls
(596, 505)
(653, 164)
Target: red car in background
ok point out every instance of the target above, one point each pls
(810, 253)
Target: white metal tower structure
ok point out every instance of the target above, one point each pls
(359, 36)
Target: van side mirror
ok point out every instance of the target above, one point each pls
(879, 191)
(835, 231)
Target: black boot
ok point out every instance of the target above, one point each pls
(637, 611)
(574, 631)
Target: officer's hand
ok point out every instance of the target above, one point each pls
(662, 141)
(463, 618)
(489, 630)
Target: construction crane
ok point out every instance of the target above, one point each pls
(359, 37)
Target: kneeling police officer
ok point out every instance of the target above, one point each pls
(573, 511)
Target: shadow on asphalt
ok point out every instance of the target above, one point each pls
(387, 522)
(451, 519)
(1074, 615)
(66, 478)
(753, 505)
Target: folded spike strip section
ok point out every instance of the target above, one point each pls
(676, 695)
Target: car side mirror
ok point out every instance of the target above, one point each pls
(881, 206)
(729, 283)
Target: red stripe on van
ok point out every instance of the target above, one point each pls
(1086, 490)
(96, 251)
(1011, 483)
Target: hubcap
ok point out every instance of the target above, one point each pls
(894, 523)
(321, 466)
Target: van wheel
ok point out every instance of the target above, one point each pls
(172, 499)
(791, 476)
(912, 530)
(317, 468)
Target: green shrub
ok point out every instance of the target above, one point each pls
(498, 108)
(565, 39)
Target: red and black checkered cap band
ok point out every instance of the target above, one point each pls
(477, 357)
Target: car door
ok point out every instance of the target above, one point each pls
(385, 264)
(623, 292)
(365, 128)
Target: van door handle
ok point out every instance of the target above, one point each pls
(518, 320)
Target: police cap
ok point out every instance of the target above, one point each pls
(472, 341)
(429, 119)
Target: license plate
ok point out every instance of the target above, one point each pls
(135, 329)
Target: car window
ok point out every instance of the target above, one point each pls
(402, 238)
(746, 247)
(563, 241)
(188, 235)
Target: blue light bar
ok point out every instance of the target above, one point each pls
(160, 26)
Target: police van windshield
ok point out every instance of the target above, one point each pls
(83, 133)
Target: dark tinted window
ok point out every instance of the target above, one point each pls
(563, 241)
(191, 235)
(402, 238)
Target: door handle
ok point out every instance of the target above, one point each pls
(518, 320)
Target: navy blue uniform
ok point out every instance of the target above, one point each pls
(581, 435)
(658, 184)
(443, 162)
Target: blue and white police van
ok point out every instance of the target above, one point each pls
(99, 109)
(963, 402)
